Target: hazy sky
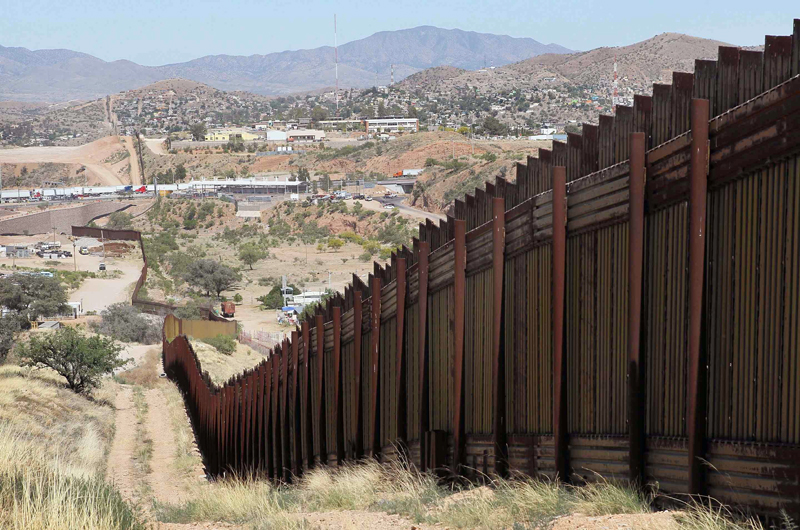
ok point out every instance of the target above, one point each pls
(155, 33)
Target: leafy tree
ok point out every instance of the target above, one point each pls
(319, 113)
(33, 296)
(120, 221)
(493, 126)
(211, 276)
(250, 254)
(79, 359)
(124, 322)
(199, 131)
(9, 324)
(381, 110)
(303, 175)
(180, 173)
(238, 298)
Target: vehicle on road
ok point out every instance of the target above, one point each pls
(389, 206)
(368, 198)
(102, 266)
(84, 251)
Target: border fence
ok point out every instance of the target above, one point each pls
(629, 307)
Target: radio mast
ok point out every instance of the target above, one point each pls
(336, 57)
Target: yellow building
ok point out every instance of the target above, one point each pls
(227, 135)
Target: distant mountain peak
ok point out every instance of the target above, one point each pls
(60, 75)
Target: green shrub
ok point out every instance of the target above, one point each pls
(223, 343)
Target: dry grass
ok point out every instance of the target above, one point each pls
(709, 515)
(146, 373)
(144, 444)
(222, 367)
(187, 458)
(53, 445)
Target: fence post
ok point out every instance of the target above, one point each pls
(357, 338)
(498, 358)
(400, 416)
(635, 267)
(374, 450)
(698, 186)
(297, 443)
(285, 435)
(460, 281)
(321, 443)
(422, 301)
(337, 370)
(276, 420)
(559, 360)
(306, 401)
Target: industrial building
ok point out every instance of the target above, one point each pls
(306, 135)
(391, 124)
(227, 135)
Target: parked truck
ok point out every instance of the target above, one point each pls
(228, 309)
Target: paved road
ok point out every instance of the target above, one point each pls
(410, 210)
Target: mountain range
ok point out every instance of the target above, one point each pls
(63, 75)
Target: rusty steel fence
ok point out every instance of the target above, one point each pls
(629, 308)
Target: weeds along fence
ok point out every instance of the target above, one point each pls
(630, 307)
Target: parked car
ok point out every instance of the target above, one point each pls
(367, 198)
(389, 206)
(358, 196)
(84, 251)
(102, 266)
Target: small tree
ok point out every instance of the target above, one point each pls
(9, 324)
(211, 276)
(79, 359)
(335, 243)
(124, 322)
(250, 254)
(180, 173)
(119, 221)
(199, 131)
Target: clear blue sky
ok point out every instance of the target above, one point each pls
(155, 33)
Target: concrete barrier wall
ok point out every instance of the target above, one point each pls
(62, 219)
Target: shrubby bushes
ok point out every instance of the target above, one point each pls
(124, 322)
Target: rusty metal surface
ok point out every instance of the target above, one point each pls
(583, 320)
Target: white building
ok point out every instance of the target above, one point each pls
(391, 124)
(306, 135)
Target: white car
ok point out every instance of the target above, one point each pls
(367, 198)
(389, 206)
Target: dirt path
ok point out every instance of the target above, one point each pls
(136, 172)
(164, 483)
(156, 145)
(121, 470)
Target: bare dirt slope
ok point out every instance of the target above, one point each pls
(102, 159)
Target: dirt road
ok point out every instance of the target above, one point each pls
(156, 145)
(99, 293)
(136, 172)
